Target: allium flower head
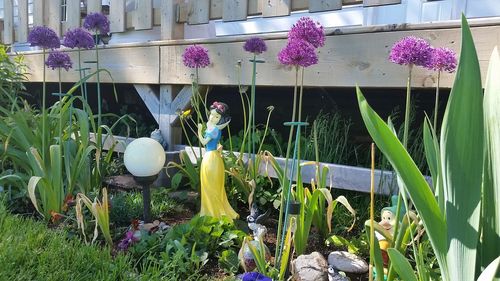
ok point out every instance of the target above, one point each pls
(44, 37)
(411, 50)
(255, 276)
(195, 57)
(298, 53)
(443, 59)
(78, 38)
(97, 21)
(255, 45)
(308, 30)
(58, 59)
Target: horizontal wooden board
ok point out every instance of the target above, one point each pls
(346, 60)
(127, 65)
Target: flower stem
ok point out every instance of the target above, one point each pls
(407, 108)
(60, 105)
(43, 107)
(436, 105)
(252, 97)
(288, 148)
(98, 84)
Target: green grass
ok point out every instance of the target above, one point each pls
(31, 251)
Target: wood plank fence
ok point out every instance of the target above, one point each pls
(125, 15)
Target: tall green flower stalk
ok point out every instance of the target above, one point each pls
(80, 39)
(255, 46)
(196, 57)
(442, 59)
(304, 38)
(45, 38)
(99, 24)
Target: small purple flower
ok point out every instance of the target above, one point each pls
(127, 241)
(298, 53)
(58, 59)
(411, 50)
(78, 38)
(97, 21)
(308, 30)
(255, 45)
(195, 57)
(255, 276)
(443, 59)
(44, 37)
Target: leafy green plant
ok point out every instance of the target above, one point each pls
(191, 245)
(456, 232)
(330, 134)
(100, 211)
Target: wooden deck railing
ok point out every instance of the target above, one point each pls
(127, 15)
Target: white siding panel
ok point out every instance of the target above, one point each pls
(391, 14)
(482, 8)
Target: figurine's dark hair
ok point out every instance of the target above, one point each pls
(223, 110)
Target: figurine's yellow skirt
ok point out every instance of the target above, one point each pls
(213, 194)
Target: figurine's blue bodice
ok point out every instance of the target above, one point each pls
(214, 136)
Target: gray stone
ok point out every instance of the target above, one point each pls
(347, 262)
(312, 267)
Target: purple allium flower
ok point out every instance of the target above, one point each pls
(443, 59)
(255, 276)
(78, 38)
(255, 45)
(308, 30)
(97, 21)
(195, 57)
(411, 50)
(44, 37)
(58, 59)
(298, 53)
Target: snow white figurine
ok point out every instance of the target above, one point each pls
(214, 201)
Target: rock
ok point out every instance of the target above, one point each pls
(347, 262)
(311, 267)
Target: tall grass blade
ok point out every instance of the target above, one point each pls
(401, 264)
(414, 182)
(432, 154)
(462, 161)
(491, 185)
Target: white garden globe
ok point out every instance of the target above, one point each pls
(144, 157)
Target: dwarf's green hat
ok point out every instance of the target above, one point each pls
(394, 206)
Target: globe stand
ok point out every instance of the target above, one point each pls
(146, 183)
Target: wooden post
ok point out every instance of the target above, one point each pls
(72, 14)
(144, 15)
(8, 21)
(324, 5)
(117, 16)
(94, 6)
(199, 11)
(163, 107)
(38, 12)
(22, 28)
(235, 10)
(54, 16)
(275, 8)
(170, 29)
